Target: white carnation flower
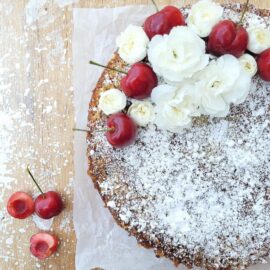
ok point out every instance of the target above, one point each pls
(132, 44)
(222, 82)
(142, 112)
(203, 16)
(112, 101)
(179, 55)
(175, 106)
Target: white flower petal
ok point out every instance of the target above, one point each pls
(162, 93)
(240, 91)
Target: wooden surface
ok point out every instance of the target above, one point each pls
(36, 118)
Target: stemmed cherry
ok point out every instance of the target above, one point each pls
(163, 21)
(138, 82)
(228, 37)
(121, 130)
(49, 204)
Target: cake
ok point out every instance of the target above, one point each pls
(201, 197)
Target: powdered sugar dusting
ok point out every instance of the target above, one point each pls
(206, 191)
(32, 130)
(42, 224)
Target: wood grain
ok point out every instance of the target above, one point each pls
(35, 57)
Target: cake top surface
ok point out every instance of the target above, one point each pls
(205, 190)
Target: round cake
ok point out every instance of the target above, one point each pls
(202, 197)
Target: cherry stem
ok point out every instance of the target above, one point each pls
(244, 12)
(99, 130)
(80, 129)
(105, 129)
(34, 180)
(113, 69)
(155, 4)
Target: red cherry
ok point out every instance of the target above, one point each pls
(139, 82)
(43, 245)
(20, 205)
(264, 65)
(163, 21)
(122, 130)
(48, 205)
(228, 37)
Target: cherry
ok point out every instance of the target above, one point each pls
(227, 37)
(43, 245)
(163, 21)
(139, 82)
(264, 65)
(20, 205)
(49, 204)
(121, 131)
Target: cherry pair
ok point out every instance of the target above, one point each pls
(47, 205)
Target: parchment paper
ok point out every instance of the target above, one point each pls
(100, 242)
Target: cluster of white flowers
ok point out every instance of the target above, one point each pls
(196, 82)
